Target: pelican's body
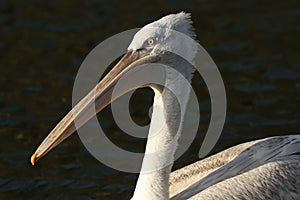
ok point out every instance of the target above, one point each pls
(262, 169)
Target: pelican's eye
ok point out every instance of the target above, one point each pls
(150, 41)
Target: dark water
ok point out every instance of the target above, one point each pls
(42, 44)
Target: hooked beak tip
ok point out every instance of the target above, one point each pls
(33, 159)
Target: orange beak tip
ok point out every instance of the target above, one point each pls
(33, 159)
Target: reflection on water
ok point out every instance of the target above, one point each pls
(255, 45)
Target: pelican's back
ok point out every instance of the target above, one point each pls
(263, 169)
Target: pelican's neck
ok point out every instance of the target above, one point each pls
(165, 129)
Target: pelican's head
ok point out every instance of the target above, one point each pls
(172, 33)
(152, 43)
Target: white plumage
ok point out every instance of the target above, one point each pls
(262, 169)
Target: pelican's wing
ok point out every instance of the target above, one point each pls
(186, 176)
(261, 169)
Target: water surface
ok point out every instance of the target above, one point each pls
(254, 44)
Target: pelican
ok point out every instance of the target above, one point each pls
(262, 169)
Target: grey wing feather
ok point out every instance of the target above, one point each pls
(267, 168)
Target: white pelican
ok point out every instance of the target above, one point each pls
(262, 169)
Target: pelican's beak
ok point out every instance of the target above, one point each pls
(95, 100)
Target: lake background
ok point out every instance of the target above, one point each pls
(255, 44)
